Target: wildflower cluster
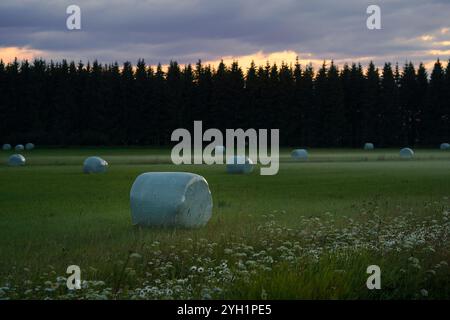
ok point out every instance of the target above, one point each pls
(211, 269)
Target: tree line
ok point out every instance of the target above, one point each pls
(68, 103)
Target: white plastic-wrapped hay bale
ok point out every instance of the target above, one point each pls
(6, 147)
(369, 146)
(29, 146)
(19, 147)
(406, 153)
(16, 160)
(239, 164)
(94, 165)
(170, 199)
(299, 154)
(219, 150)
(445, 146)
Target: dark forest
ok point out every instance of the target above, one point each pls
(68, 103)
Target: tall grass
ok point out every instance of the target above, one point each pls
(309, 232)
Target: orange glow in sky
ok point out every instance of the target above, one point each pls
(8, 54)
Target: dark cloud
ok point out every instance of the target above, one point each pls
(160, 30)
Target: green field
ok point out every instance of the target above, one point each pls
(308, 232)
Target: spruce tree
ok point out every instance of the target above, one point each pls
(390, 129)
(335, 105)
(371, 116)
(309, 113)
(321, 107)
(436, 119)
(408, 103)
(421, 105)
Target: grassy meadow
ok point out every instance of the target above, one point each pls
(309, 232)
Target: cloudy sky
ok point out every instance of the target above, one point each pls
(210, 30)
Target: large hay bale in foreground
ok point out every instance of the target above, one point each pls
(239, 164)
(299, 154)
(445, 146)
(94, 165)
(406, 153)
(6, 147)
(170, 199)
(369, 146)
(19, 147)
(16, 160)
(29, 146)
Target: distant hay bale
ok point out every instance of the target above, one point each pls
(6, 147)
(16, 160)
(19, 147)
(406, 153)
(445, 146)
(94, 165)
(170, 199)
(219, 150)
(368, 146)
(299, 154)
(29, 146)
(239, 164)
